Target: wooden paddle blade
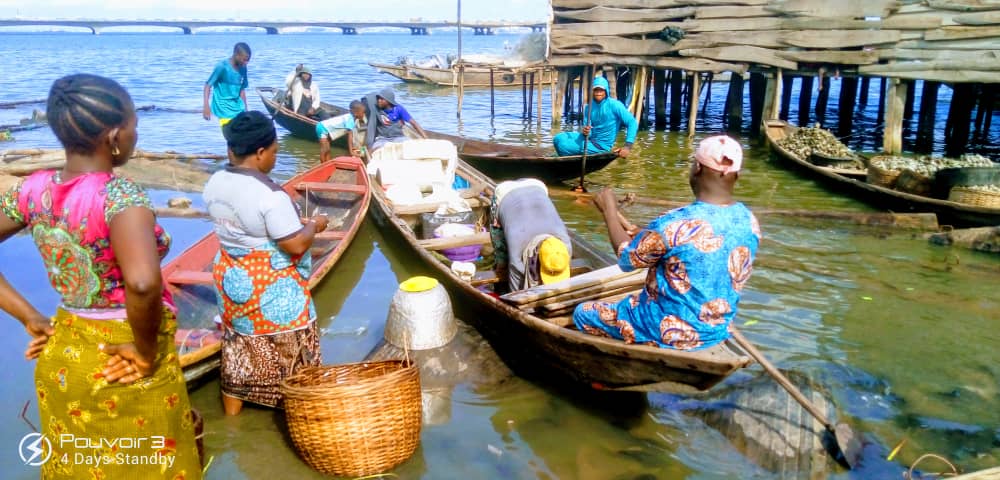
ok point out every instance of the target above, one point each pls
(849, 445)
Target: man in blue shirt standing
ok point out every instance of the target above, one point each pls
(603, 118)
(225, 90)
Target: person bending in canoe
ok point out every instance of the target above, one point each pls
(262, 270)
(226, 89)
(303, 94)
(603, 118)
(388, 118)
(355, 125)
(699, 258)
(530, 241)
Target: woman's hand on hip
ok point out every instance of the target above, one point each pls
(40, 329)
(127, 364)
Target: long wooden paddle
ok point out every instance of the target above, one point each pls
(847, 443)
(586, 136)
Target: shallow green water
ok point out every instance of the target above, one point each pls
(901, 334)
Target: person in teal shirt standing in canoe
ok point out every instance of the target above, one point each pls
(603, 117)
(225, 90)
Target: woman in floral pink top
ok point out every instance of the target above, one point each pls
(107, 368)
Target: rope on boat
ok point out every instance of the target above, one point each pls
(954, 470)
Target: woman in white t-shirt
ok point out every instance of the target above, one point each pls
(262, 271)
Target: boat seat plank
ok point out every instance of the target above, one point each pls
(331, 187)
(190, 277)
(481, 238)
(577, 266)
(431, 207)
(331, 235)
(571, 284)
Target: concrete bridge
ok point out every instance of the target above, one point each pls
(271, 27)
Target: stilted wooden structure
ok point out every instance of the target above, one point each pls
(946, 41)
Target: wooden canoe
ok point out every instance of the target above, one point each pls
(549, 348)
(475, 76)
(953, 213)
(338, 188)
(502, 162)
(496, 160)
(298, 125)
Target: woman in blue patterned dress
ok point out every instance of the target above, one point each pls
(699, 257)
(262, 271)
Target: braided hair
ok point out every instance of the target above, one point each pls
(81, 107)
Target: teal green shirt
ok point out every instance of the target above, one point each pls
(227, 83)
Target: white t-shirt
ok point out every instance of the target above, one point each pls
(249, 209)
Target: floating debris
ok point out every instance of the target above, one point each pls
(806, 141)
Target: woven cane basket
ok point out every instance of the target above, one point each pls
(972, 196)
(880, 176)
(354, 419)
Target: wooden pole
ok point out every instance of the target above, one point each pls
(492, 96)
(911, 90)
(771, 101)
(734, 103)
(708, 92)
(962, 102)
(693, 103)
(990, 96)
(779, 84)
(892, 140)
(845, 105)
(659, 99)
(461, 86)
(541, 77)
(676, 80)
(805, 100)
(524, 95)
(555, 96)
(461, 67)
(822, 99)
(758, 88)
(881, 100)
(786, 96)
(863, 93)
(980, 110)
(927, 116)
(531, 94)
(568, 94)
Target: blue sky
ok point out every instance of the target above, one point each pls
(365, 10)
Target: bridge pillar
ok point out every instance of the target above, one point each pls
(272, 30)
(94, 30)
(538, 29)
(418, 31)
(349, 31)
(187, 30)
(478, 31)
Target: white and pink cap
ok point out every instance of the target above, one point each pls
(720, 153)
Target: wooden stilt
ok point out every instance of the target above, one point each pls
(734, 103)
(693, 103)
(709, 77)
(659, 99)
(911, 91)
(559, 96)
(758, 88)
(531, 94)
(786, 96)
(772, 101)
(822, 99)
(892, 137)
(962, 102)
(541, 75)
(980, 111)
(845, 105)
(676, 100)
(805, 100)
(612, 75)
(492, 96)
(990, 97)
(881, 100)
(461, 86)
(524, 95)
(863, 93)
(927, 116)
